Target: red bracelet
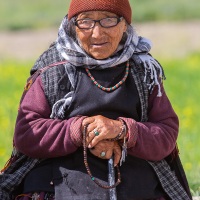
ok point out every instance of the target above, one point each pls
(123, 131)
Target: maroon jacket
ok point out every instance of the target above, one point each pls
(38, 136)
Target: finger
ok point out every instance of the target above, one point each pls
(95, 137)
(99, 153)
(93, 127)
(88, 121)
(117, 155)
(90, 136)
(92, 133)
(95, 141)
(109, 153)
(95, 152)
(92, 122)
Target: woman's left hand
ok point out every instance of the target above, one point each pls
(106, 149)
(100, 128)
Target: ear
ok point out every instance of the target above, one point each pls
(125, 26)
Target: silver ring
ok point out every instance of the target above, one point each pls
(103, 153)
(96, 132)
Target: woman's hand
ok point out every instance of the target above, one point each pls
(100, 128)
(105, 149)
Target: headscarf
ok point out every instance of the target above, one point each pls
(72, 51)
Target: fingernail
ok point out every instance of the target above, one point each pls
(89, 146)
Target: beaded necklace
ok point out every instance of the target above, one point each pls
(110, 88)
(88, 169)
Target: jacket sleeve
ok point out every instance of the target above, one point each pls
(36, 135)
(157, 137)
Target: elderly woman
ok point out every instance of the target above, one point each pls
(98, 96)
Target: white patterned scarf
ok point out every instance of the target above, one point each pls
(71, 50)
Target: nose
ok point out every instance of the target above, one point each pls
(97, 30)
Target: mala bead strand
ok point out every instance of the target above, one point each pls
(88, 169)
(111, 88)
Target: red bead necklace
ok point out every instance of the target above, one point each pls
(110, 88)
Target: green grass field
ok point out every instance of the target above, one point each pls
(15, 15)
(13, 77)
(182, 86)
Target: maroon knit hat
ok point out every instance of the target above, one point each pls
(119, 7)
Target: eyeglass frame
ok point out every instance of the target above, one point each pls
(119, 19)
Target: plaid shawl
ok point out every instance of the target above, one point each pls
(145, 73)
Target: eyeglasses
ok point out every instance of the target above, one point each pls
(105, 22)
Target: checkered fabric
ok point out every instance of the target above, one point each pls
(169, 181)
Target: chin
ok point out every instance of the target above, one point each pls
(100, 56)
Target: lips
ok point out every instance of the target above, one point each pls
(99, 44)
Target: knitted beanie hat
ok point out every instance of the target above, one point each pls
(121, 8)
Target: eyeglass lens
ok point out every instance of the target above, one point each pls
(106, 22)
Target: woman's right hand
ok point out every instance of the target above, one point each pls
(106, 149)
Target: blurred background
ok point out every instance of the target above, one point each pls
(27, 28)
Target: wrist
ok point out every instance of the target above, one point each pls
(132, 131)
(122, 133)
(76, 132)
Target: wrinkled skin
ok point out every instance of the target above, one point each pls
(99, 42)
(110, 148)
(108, 129)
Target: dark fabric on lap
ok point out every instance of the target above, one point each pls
(70, 173)
(39, 179)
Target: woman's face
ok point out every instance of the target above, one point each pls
(100, 42)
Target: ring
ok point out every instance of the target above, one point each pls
(96, 133)
(103, 153)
